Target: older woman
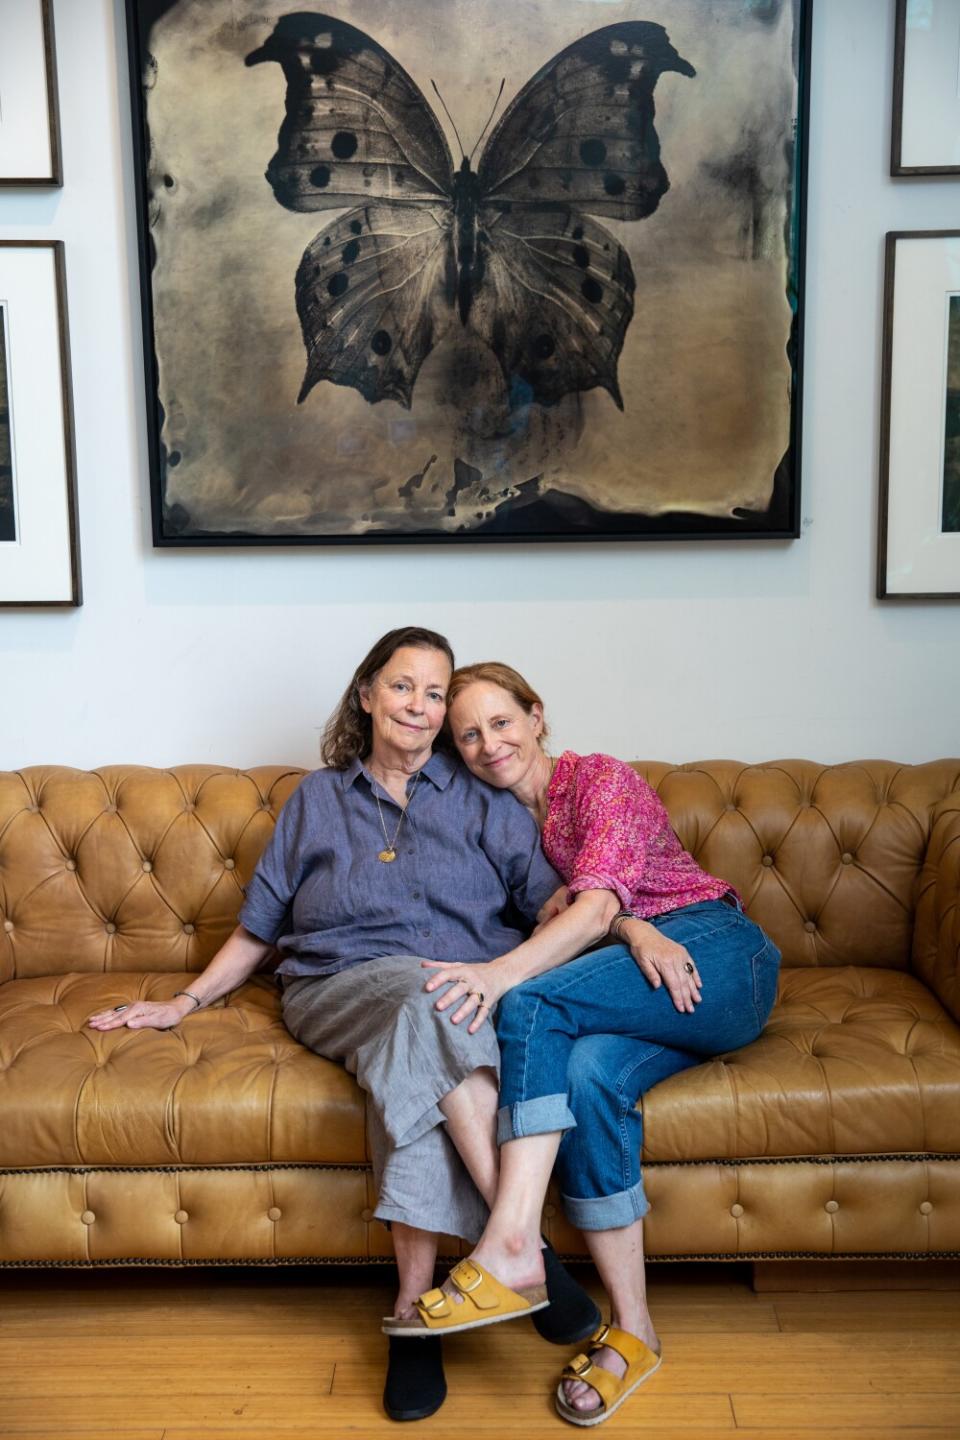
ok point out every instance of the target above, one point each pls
(392, 853)
(690, 977)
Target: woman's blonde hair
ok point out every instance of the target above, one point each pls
(494, 672)
(348, 734)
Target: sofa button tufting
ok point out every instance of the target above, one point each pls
(147, 866)
(189, 808)
(87, 1218)
(767, 861)
(847, 858)
(809, 926)
(8, 926)
(70, 864)
(274, 1212)
(736, 1211)
(189, 929)
(925, 1207)
(181, 1217)
(109, 809)
(110, 928)
(366, 1216)
(831, 1207)
(229, 864)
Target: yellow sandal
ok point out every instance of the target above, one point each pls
(485, 1302)
(613, 1389)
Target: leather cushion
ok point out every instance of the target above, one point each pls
(854, 1061)
(227, 1085)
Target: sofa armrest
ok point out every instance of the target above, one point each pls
(936, 933)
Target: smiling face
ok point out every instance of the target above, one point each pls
(497, 738)
(406, 702)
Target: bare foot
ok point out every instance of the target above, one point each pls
(582, 1396)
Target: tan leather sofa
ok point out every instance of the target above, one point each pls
(837, 1134)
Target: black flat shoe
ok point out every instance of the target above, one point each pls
(571, 1314)
(415, 1386)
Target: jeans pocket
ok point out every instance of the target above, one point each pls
(766, 967)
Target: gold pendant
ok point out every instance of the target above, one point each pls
(387, 856)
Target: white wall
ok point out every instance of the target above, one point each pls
(751, 650)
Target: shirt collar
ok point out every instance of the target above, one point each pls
(439, 769)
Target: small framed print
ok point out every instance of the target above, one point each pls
(29, 116)
(919, 533)
(925, 137)
(39, 553)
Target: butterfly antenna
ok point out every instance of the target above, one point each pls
(449, 117)
(490, 121)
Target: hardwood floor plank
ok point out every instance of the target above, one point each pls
(905, 1310)
(834, 1414)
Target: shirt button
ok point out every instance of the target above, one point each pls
(426, 934)
(416, 894)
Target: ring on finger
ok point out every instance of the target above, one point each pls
(688, 967)
(120, 1007)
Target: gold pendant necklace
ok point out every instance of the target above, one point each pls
(389, 853)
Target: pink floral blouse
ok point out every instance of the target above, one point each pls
(606, 829)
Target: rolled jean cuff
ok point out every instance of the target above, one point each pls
(607, 1212)
(534, 1117)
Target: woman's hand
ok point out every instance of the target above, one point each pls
(559, 901)
(143, 1015)
(663, 962)
(477, 988)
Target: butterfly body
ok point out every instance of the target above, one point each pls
(512, 249)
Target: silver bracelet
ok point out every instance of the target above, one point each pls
(618, 920)
(190, 996)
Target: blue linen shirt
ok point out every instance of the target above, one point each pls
(469, 870)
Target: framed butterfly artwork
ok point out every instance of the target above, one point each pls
(461, 270)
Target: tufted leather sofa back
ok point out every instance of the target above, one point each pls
(129, 868)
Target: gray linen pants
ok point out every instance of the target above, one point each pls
(377, 1020)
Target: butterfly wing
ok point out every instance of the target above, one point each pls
(356, 127)
(581, 132)
(365, 288)
(557, 300)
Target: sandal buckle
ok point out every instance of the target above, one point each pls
(581, 1365)
(459, 1277)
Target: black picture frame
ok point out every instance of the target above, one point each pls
(52, 117)
(900, 99)
(551, 518)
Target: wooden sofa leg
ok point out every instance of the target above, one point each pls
(825, 1275)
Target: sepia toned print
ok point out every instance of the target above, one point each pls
(450, 269)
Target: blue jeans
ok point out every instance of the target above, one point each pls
(580, 1045)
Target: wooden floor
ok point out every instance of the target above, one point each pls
(180, 1355)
